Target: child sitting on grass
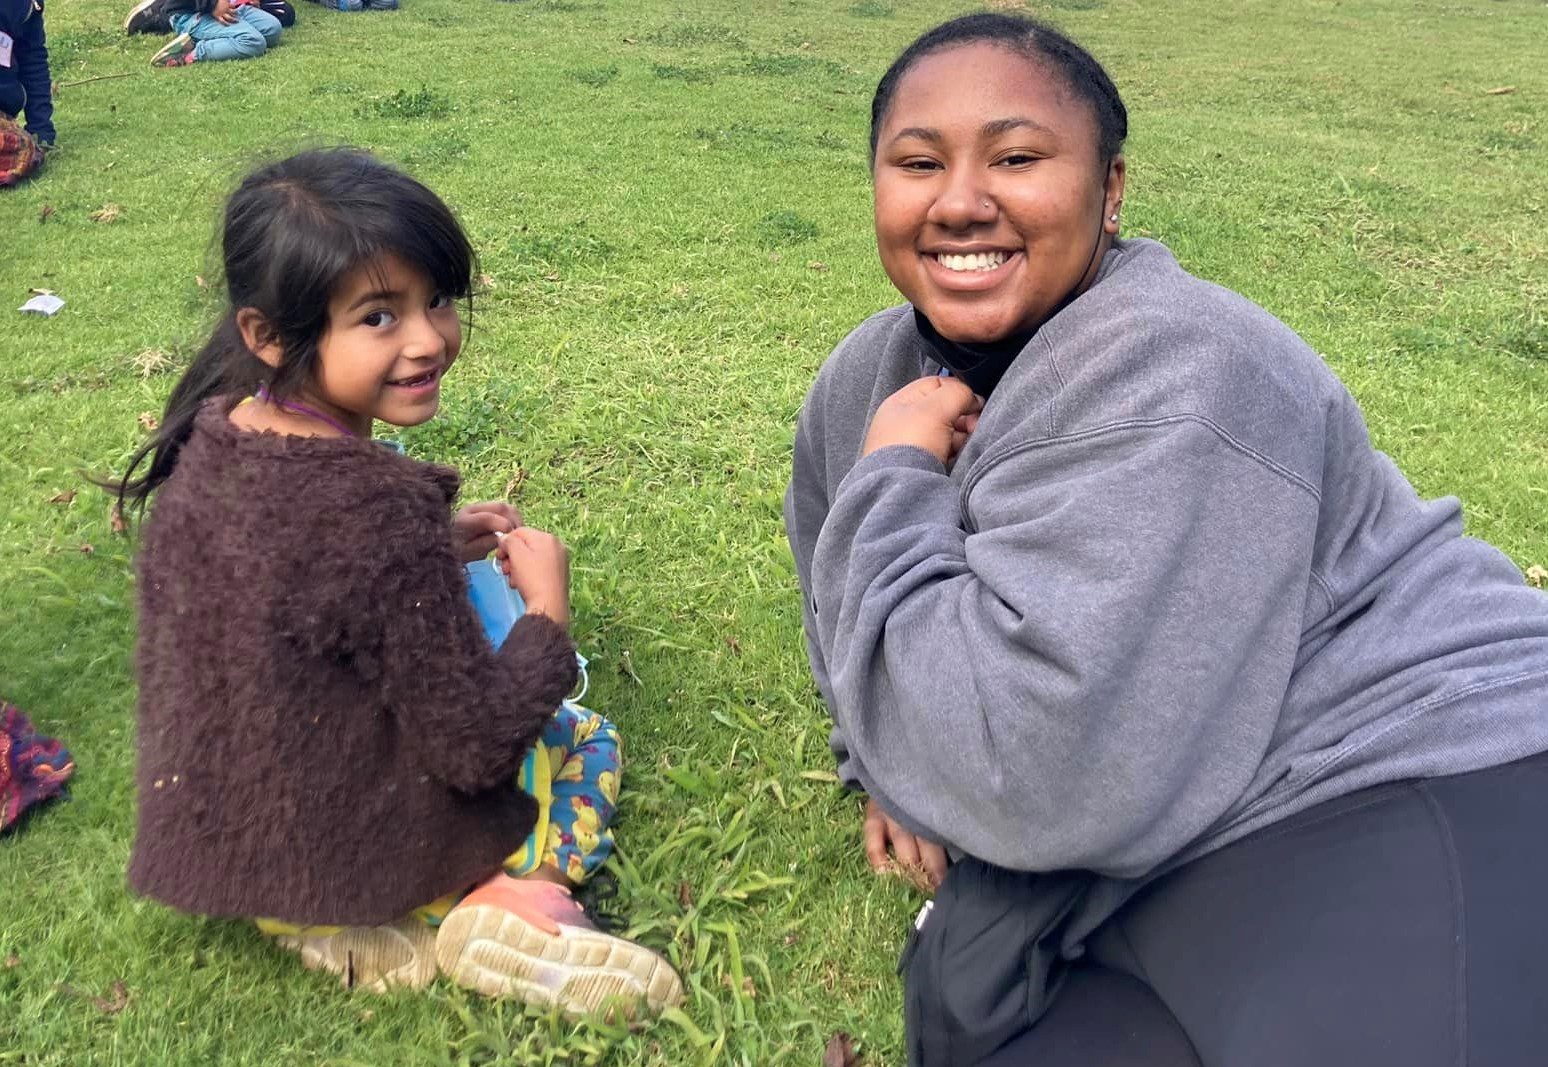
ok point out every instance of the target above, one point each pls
(152, 16)
(212, 30)
(327, 739)
(359, 5)
(24, 86)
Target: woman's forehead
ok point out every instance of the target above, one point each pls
(984, 82)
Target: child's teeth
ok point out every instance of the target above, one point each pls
(978, 261)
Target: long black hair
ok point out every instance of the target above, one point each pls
(292, 231)
(1027, 37)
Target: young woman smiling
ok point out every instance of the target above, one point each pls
(1237, 744)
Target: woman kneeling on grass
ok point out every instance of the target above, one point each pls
(1238, 743)
(326, 735)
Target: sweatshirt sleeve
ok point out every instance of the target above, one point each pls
(404, 624)
(32, 68)
(1086, 675)
(806, 509)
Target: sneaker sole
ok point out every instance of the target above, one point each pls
(488, 949)
(172, 47)
(374, 958)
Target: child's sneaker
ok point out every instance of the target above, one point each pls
(528, 939)
(148, 16)
(376, 958)
(178, 52)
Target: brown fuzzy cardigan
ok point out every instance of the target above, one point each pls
(325, 735)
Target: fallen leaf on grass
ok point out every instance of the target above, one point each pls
(200, 282)
(116, 1002)
(1538, 576)
(817, 265)
(88, 548)
(914, 875)
(45, 211)
(62, 498)
(148, 421)
(749, 990)
(685, 894)
(518, 480)
(12, 962)
(486, 280)
(626, 666)
(151, 361)
(840, 1051)
(1500, 90)
(116, 520)
(107, 213)
(631, 40)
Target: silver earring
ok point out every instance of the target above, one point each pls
(987, 204)
(1113, 217)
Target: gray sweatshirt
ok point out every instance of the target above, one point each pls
(1167, 594)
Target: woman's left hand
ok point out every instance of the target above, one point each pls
(475, 526)
(936, 414)
(919, 859)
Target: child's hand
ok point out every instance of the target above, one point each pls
(475, 527)
(538, 567)
(223, 12)
(935, 414)
(920, 860)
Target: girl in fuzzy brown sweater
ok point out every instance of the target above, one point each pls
(327, 739)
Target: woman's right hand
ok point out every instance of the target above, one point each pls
(538, 567)
(936, 414)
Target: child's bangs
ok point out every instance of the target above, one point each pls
(427, 237)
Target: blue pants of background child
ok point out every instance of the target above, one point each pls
(360, 5)
(247, 38)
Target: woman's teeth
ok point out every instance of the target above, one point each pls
(979, 261)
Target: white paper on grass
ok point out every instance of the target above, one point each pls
(46, 304)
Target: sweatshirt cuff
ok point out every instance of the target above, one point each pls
(893, 457)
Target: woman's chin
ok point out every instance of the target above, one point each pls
(971, 329)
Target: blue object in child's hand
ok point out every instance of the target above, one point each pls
(497, 604)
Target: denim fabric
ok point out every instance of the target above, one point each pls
(247, 38)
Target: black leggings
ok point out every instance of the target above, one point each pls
(1405, 925)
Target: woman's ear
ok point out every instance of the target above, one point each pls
(259, 336)
(1112, 199)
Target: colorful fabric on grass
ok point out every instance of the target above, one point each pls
(20, 153)
(33, 768)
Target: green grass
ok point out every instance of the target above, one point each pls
(655, 195)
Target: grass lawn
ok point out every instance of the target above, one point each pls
(673, 215)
